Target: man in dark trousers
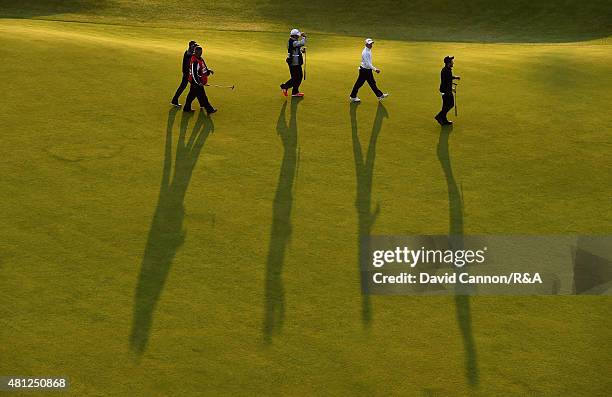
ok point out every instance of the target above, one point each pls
(446, 89)
(366, 73)
(198, 77)
(295, 48)
(185, 69)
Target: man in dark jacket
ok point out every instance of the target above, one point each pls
(446, 89)
(295, 48)
(185, 69)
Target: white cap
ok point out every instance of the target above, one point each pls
(294, 32)
(369, 41)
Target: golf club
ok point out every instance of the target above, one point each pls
(304, 53)
(231, 87)
(455, 90)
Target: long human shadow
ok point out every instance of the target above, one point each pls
(166, 234)
(364, 169)
(280, 234)
(455, 212)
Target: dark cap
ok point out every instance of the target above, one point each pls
(192, 42)
(448, 58)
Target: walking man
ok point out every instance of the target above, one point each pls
(185, 69)
(366, 73)
(295, 60)
(198, 77)
(446, 89)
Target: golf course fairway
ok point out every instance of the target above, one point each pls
(146, 251)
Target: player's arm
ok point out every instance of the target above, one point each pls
(300, 43)
(208, 71)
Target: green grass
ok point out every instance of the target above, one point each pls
(261, 218)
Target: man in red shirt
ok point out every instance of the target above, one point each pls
(198, 77)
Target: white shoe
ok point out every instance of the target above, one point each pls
(380, 98)
(355, 100)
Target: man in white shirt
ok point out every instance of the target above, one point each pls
(366, 70)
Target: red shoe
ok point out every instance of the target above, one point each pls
(284, 90)
(299, 95)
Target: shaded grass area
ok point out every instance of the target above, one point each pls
(143, 254)
(419, 20)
